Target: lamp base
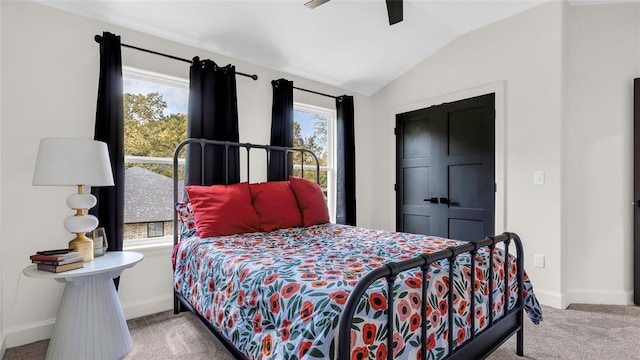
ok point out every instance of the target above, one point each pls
(83, 245)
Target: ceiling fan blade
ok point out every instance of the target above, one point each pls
(314, 3)
(394, 9)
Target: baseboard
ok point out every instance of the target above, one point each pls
(148, 307)
(549, 298)
(28, 333)
(600, 297)
(3, 345)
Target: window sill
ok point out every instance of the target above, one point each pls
(148, 243)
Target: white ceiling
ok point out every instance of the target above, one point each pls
(345, 43)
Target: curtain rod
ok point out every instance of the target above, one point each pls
(317, 93)
(98, 39)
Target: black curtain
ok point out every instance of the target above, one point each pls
(110, 129)
(213, 115)
(346, 162)
(280, 164)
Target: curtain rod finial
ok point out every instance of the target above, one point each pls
(98, 38)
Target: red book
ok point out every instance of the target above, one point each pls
(57, 258)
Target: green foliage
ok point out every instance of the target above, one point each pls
(148, 132)
(144, 108)
(317, 143)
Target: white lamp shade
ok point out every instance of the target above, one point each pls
(72, 161)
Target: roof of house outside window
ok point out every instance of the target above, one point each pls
(148, 196)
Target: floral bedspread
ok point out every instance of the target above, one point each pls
(279, 295)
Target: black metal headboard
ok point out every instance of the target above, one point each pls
(203, 143)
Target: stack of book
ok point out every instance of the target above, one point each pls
(57, 260)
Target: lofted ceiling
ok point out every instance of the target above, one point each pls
(345, 43)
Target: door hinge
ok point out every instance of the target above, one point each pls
(495, 187)
(395, 187)
(395, 131)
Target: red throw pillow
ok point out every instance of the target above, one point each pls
(223, 209)
(276, 205)
(310, 200)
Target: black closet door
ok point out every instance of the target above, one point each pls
(445, 173)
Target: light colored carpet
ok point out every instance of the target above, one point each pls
(581, 332)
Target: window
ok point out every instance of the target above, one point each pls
(313, 129)
(155, 229)
(155, 122)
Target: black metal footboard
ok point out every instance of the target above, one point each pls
(480, 344)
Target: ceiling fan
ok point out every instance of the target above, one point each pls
(394, 9)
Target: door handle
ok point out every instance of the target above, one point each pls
(444, 200)
(432, 200)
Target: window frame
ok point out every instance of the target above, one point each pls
(155, 77)
(166, 80)
(331, 116)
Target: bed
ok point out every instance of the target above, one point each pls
(329, 291)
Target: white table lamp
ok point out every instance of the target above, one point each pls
(75, 162)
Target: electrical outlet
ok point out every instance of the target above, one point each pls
(538, 178)
(538, 260)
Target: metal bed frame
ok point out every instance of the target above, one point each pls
(478, 346)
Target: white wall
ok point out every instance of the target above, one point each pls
(521, 58)
(602, 60)
(49, 87)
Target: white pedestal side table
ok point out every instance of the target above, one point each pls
(90, 323)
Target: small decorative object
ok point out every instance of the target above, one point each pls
(100, 243)
(75, 162)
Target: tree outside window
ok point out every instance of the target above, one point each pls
(155, 122)
(313, 130)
